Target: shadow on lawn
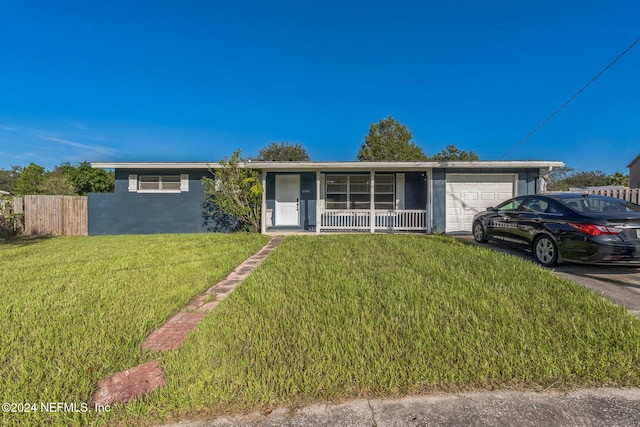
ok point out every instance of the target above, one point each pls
(23, 240)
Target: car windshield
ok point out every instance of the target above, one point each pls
(599, 205)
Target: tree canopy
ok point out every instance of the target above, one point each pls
(561, 179)
(452, 154)
(56, 182)
(618, 178)
(64, 179)
(86, 179)
(30, 180)
(389, 140)
(8, 178)
(283, 151)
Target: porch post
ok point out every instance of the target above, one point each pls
(372, 206)
(429, 199)
(263, 212)
(318, 211)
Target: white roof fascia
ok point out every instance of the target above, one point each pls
(335, 166)
(155, 165)
(381, 166)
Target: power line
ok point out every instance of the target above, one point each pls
(544, 122)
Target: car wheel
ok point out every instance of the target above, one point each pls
(478, 232)
(545, 251)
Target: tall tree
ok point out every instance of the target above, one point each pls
(557, 178)
(561, 179)
(8, 178)
(595, 178)
(236, 191)
(389, 140)
(452, 153)
(56, 183)
(65, 179)
(86, 179)
(30, 180)
(618, 178)
(284, 152)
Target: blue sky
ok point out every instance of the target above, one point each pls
(194, 80)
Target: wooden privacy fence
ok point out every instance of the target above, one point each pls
(629, 194)
(54, 215)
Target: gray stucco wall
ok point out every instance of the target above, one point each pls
(415, 190)
(308, 200)
(125, 212)
(438, 186)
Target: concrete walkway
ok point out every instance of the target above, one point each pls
(591, 407)
(134, 382)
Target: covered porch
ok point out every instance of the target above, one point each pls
(345, 201)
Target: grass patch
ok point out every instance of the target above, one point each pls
(340, 317)
(323, 318)
(76, 309)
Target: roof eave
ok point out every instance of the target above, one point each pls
(155, 165)
(637, 158)
(334, 166)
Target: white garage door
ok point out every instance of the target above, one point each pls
(469, 194)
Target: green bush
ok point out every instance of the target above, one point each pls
(11, 223)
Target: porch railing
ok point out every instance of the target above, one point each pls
(384, 220)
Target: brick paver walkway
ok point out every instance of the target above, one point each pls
(129, 384)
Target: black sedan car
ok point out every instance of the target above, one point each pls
(565, 227)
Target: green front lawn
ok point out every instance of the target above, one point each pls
(341, 317)
(76, 309)
(323, 318)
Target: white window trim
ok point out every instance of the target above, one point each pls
(184, 182)
(159, 191)
(134, 184)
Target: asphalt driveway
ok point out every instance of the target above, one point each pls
(618, 283)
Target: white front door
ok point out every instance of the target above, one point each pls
(287, 200)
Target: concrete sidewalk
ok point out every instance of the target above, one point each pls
(590, 407)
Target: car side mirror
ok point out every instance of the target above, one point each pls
(491, 209)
